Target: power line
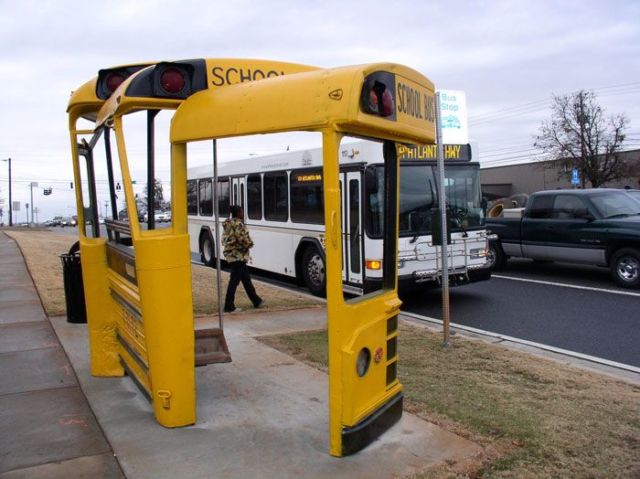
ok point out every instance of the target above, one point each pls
(537, 105)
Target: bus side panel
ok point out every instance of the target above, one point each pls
(273, 250)
(100, 313)
(163, 267)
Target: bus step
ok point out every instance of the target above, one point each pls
(211, 347)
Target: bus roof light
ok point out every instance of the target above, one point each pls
(378, 95)
(173, 80)
(113, 81)
(111, 78)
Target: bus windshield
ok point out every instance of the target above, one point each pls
(462, 187)
(418, 196)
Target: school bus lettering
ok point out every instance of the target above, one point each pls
(230, 76)
(430, 108)
(409, 101)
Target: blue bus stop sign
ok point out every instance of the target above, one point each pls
(575, 178)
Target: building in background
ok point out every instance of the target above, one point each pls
(527, 178)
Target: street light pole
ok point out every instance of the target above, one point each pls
(32, 184)
(8, 160)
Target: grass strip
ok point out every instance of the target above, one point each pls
(534, 417)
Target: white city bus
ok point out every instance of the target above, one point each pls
(283, 202)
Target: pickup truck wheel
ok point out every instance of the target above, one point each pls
(496, 259)
(625, 268)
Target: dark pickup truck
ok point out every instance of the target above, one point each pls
(593, 226)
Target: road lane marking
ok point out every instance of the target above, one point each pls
(575, 286)
(546, 347)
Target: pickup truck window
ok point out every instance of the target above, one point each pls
(568, 207)
(612, 204)
(541, 207)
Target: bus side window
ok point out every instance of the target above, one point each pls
(276, 206)
(224, 197)
(254, 197)
(192, 197)
(205, 197)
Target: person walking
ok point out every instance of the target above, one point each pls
(237, 243)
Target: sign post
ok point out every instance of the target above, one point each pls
(444, 262)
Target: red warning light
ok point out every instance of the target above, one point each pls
(172, 80)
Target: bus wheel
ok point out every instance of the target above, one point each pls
(313, 271)
(206, 250)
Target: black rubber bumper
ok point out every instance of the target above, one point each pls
(482, 274)
(358, 437)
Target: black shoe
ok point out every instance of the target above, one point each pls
(261, 304)
(234, 310)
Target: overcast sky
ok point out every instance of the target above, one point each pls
(509, 57)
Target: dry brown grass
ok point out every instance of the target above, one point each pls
(534, 417)
(41, 250)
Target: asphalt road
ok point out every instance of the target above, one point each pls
(570, 307)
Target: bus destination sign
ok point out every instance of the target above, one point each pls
(430, 152)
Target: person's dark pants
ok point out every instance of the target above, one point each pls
(240, 272)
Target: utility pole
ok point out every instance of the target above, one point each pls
(32, 184)
(106, 205)
(8, 160)
(582, 145)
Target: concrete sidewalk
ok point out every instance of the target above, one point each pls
(47, 428)
(263, 415)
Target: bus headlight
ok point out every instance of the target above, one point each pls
(478, 253)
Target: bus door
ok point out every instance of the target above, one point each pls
(350, 186)
(237, 191)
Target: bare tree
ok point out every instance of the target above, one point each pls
(158, 195)
(579, 136)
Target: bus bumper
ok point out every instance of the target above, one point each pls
(357, 437)
(409, 282)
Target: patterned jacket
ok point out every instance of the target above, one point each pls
(236, 241)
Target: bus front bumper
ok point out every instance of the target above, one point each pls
(422, 279)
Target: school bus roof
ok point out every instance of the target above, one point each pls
(84, 100)
(311, 101)
(140, 90)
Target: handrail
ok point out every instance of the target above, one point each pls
(118, 226)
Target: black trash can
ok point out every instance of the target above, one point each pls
(73, 287)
